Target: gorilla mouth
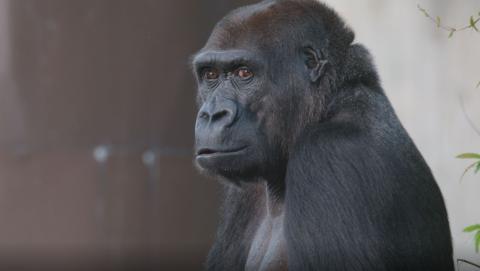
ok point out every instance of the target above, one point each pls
(214, 152)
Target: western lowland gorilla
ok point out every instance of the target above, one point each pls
(319, 174)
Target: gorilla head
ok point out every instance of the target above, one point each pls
(265, 73)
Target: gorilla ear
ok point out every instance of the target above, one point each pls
(314, 62)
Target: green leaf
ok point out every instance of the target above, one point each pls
(467, 169)
(472, 228)
(423, 11)
(473, 23)
(477, 169)
(469, 156)
(477, 241)
(438, 21)
(452, 31)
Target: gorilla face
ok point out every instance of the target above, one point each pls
(250, 109)
(230, 138)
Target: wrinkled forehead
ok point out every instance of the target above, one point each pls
(264, 26)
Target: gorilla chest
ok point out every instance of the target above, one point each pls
(268, 248)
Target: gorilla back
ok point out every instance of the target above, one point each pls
(319, 174)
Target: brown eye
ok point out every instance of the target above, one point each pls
(211, 74)
(244, 73)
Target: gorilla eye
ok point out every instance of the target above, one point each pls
(311, 62)
(244, 73)
(210, 74)
(311, 59)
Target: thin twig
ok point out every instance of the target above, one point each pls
(437, 21)
(467, 117)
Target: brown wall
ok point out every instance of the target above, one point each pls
(79, 74)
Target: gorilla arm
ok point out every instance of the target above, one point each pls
(352, 202)
(328, 205)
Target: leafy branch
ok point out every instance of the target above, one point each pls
(475, 166)
(475, 156)
(472, 24)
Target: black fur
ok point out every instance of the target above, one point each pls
(322, 140)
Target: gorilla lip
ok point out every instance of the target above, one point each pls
(205, 152)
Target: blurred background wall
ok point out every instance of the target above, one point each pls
(96, 122)
(96, 127)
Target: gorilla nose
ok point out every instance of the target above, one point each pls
(222, 115)
(218, 113)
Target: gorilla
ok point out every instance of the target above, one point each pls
(318, 172)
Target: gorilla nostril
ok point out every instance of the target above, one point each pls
(220, 115)
(203, 115)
